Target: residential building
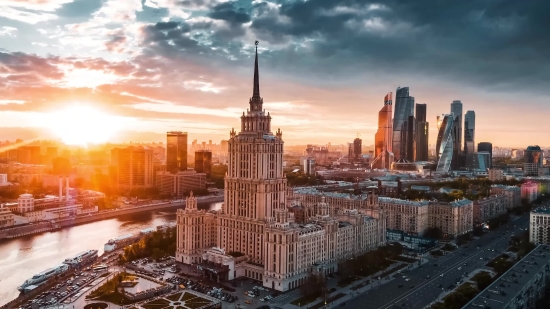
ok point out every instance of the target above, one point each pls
(453, 218)
(383, 155)
(176, 151)
(533, 161)
(7, 218)
(404, 215)
(404, 107)
(180, 184)
(3, 178)
(132, 168)
(445, 143)
(519, 287)
(203, 162)
(254, 235)
(496, 174)
(25, 203)
(490, 207)
(308, 165)
(539, 226)
(486, 147)
(512, 193)
(529, 191)
(469, 132)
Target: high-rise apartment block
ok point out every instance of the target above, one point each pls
(383, 138)
(495, 174)
(422, 133)
(453, 218)
(404, 107)
(203, 162)
(403, 215)
(179, 184)
(533, 161)
(255, 235)
(469, 132)
(132, 168)
(176, 151)
(539, 226)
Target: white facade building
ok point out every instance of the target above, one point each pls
(539, 226)
(255, 235)
(25, 203)
(3, 178)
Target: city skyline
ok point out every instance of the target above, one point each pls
(149, 72)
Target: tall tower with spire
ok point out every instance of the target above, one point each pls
(255, 185)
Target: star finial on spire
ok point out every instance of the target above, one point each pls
(256, 91)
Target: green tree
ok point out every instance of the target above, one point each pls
(482, 279)
(434, 232)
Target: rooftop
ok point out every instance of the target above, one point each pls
(542, 210)
(506, 288)
(402, 202)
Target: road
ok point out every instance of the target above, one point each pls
(422, 290)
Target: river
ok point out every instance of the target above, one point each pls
(23, 257)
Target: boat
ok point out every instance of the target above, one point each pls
(81, 259)
(99, 267)
(120, 242)
(43, 276)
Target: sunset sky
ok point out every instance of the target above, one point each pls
(140, 68)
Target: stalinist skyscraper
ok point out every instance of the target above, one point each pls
(255, 235)
(255, 185)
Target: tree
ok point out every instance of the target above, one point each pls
(315, 284)
(483, 279)
(433, 232)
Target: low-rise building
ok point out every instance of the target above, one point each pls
(529, 191)
(489, 207)
(512, 193)
(404, 215)
(181, 183)
(519, 287)
(453, 218)
(7, 218)
(495, 174)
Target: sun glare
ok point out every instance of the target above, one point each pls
(83, 125)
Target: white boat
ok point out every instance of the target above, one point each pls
(43, 276)
(119, 242)
(82, 258)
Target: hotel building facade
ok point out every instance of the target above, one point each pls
(255, 235)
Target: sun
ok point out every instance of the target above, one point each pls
(82, 125)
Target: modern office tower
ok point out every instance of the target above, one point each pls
(28, 154)
(445, 143)
(132, 168)
(469, 132)
(203, 162)
(357, 144)
(421, 111)
(486, 147)
(176, 151)
(532, 161)
(477, 161)
(404, 107)
(410, 139)
(456, 111)
(421, 133)
(383, 138)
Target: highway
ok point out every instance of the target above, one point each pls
(420, 291)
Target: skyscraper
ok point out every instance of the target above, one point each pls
(469, 132)
(456, 111)
(486, 147)
(176, 151)
(203, 162)
(533, 158)
(410, 139)
(421, 110)
(357, 146)
(383, 138)
(404, 107)
(422, 129)
(445, 143)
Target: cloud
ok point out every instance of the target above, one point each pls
(8, 31)
(228, 12)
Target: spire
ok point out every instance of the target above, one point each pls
(256, 92)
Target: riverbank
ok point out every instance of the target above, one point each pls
(41, 227)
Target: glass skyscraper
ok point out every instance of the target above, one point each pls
(486, 147)
(383, 137)
(176, 151)
(469, 132)
(533, 158)
(445, 143)
(422, 129)
(456, 111)
(404, 107)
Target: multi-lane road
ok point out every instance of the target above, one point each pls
(426, 283)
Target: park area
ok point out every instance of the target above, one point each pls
(180, 300)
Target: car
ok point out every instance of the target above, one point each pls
(460, 268)
(441, 275)
(407, 279)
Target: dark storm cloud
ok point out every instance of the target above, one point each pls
(228, 12)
